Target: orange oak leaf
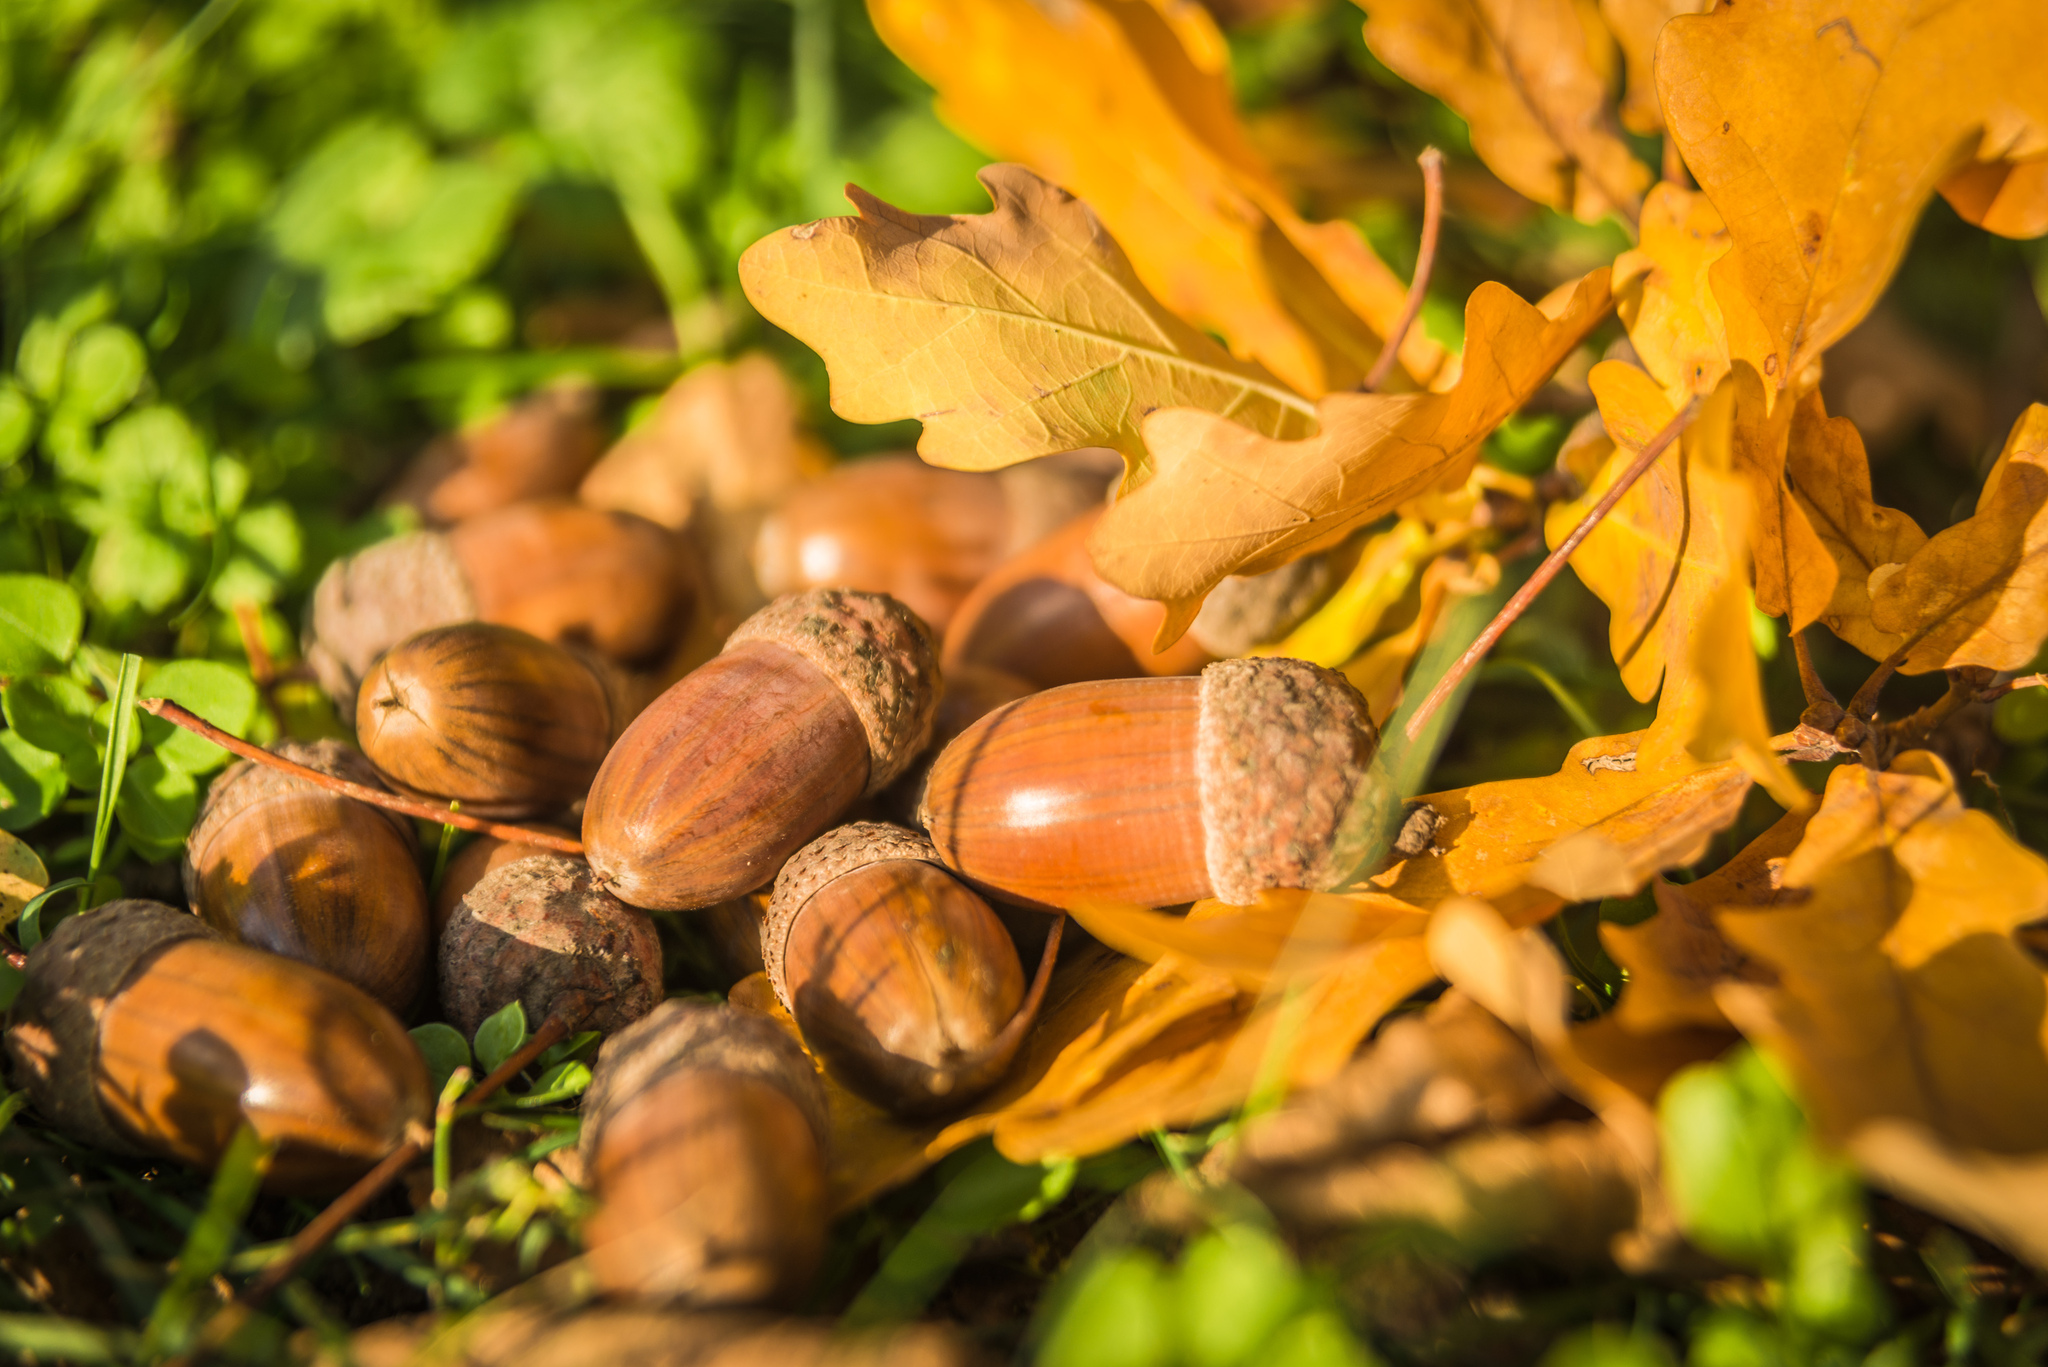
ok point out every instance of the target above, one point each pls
(1227, 499)
(1977, 593)
(2004, 197)
(1820, 128)
(1902, 991)
(1664, 297)
(1831, 479)
(1012, 334)
(1287, 935)
(1128, 105)
(1635, 25)
(1532, 78)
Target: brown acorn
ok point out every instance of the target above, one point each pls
(818, 698)
(483, 855)
(140, 1030)
(489, 716)
(538, 447)
(282, 865)
(616, 583)
(704, 1134)
(968, 693)
(899, 977)
(540, 932)
(1046, 616)
(1260, 774)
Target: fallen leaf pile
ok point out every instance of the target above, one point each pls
(1144, 283)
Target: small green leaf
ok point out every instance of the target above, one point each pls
(157, 806)
(31, 783)
(444, 1049)
(41, 915)
(1236, 1285)
(558, 1084)
(1119, 1315)
(1316, 1338)
(498, 1038)
(17, 421)
(40, 622)
(2021, 716)
(103, 371)
(54, 713)
(220, 693)
(581, 1045)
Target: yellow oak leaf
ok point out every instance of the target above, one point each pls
(1831, 479)
(1226, 499)
(1128, 105)
(1532, 78)
(1820, 128)
(1012, 334)
(2004, 197)
(1285, 936)
(1635, 25)
(2003, 1199)
(1977, 593)
(1902, 992)
(1602, 826)
(1723, 715)
(1663, 295)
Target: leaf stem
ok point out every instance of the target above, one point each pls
(1548, 570)
(1432, 163)
(425, 811)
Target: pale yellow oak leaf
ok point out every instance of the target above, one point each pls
(1533, 79)
(1831, 479)
(1226, 499)
(1128, 105)
(1017, 333)
(1902, 992)
(1977, 593)
(1820, 128)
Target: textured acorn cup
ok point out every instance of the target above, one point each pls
(1260, 774)
(899, 977)
(489, 716)
(539, 932)
(704, 1137)
(279, 864)
(140, 1030)
(1046, 616)
(484, 855)
(817, 698)
(612, 581)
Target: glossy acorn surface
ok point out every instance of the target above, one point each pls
(140, 1029)
(281, 865)
(505, 723)
(1086, 791)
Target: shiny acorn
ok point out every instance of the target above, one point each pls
(1259, 774)
(704, 1141)
(1046, 616)
(282, 865)
(897, 974)
(540, 932)
(615, 583)
(140, 1030)
(537, 448)
(486, 715)
(818, 698)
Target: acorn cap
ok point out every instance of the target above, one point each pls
(85, 963)
(245, 783)
(879, 653)
(370, 601)
(682, 1033)
(1292, 795)
(831, 855)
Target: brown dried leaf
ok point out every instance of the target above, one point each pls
(1533, 79)
(1012, 334)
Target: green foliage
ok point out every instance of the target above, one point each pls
(444, 1049)
(179, 1309)
(499, 1037)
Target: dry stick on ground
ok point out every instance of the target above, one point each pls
(1432, 163)
(1548, 570)
(425, 811)
(230, 1318)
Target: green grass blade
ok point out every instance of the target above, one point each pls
(175, 1318)
(120, 727)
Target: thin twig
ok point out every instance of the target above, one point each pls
(376, 797)
(1823, 710)
(1548, 570)
(1432, 163)
(308, 1242)
(1997, 691)
(1863, 706)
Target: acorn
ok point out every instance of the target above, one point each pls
(539, 447)
(486, 715)
(1046, 616)
(280, 864)
(704, 1141)
(619, 584)
(540, 932)
(818, 698)
(140, 1030)
(1259, 774)
(483, 855)
(967, 693)
(898, 976)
